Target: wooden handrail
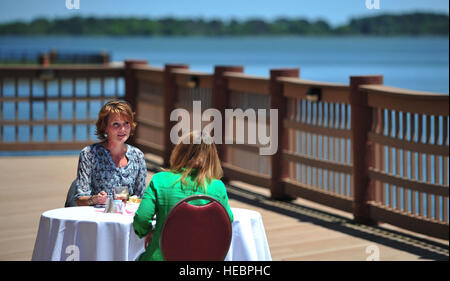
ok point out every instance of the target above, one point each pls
(330, 92)
(193, 79)
(62, 71)
(68, 67)
(190, 72)
(393, 91)
(406, 100)
(150, 74)
(313, 83)
(145, 67)
(247, 83)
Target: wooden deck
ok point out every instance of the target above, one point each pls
(298, 231)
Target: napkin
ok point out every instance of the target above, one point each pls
(131, 208)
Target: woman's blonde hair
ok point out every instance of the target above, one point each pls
(122, 108)
(193, 153)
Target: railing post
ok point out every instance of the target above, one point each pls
(277, 101)
(361, 119)
(131, 89)
(170, 95)
(220, 98)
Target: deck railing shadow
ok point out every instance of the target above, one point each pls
(422, 247)
(378, 152)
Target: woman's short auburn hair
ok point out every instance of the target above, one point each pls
(122, 108)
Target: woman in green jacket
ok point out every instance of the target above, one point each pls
(194, 169)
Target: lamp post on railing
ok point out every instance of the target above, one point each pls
(278, 101)
(360, 123)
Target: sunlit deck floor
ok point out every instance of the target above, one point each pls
(298, 231)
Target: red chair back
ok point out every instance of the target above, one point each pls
(196, 233)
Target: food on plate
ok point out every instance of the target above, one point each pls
(134, 199)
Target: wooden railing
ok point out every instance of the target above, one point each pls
(150, 109)
(18, 57)
(318, 154)
(243, 161)
(408, 158)
(378, 152)
(54, 108)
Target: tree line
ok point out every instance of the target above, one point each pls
(382, 25)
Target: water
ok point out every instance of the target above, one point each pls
(416, 63)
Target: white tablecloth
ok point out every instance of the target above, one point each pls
(249, 241)
(84, 233)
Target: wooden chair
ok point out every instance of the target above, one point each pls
(196, 233)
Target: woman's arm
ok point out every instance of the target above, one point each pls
(83, 180)
(84, 201)
(141, 178)
(143, 217)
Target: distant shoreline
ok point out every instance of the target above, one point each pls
(386, 25)
(221, 36)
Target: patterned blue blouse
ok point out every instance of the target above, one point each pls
(97, 171)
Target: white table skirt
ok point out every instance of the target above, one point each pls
(84, 233)
(249, 241)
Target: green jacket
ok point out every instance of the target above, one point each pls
(161, 195)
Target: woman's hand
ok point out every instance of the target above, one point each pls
(93, 200)
(148, 239)
(100, 198)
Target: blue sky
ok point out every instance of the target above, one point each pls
(333, 11)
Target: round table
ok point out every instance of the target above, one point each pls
(88, 234)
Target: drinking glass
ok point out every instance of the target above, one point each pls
(121, 193)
